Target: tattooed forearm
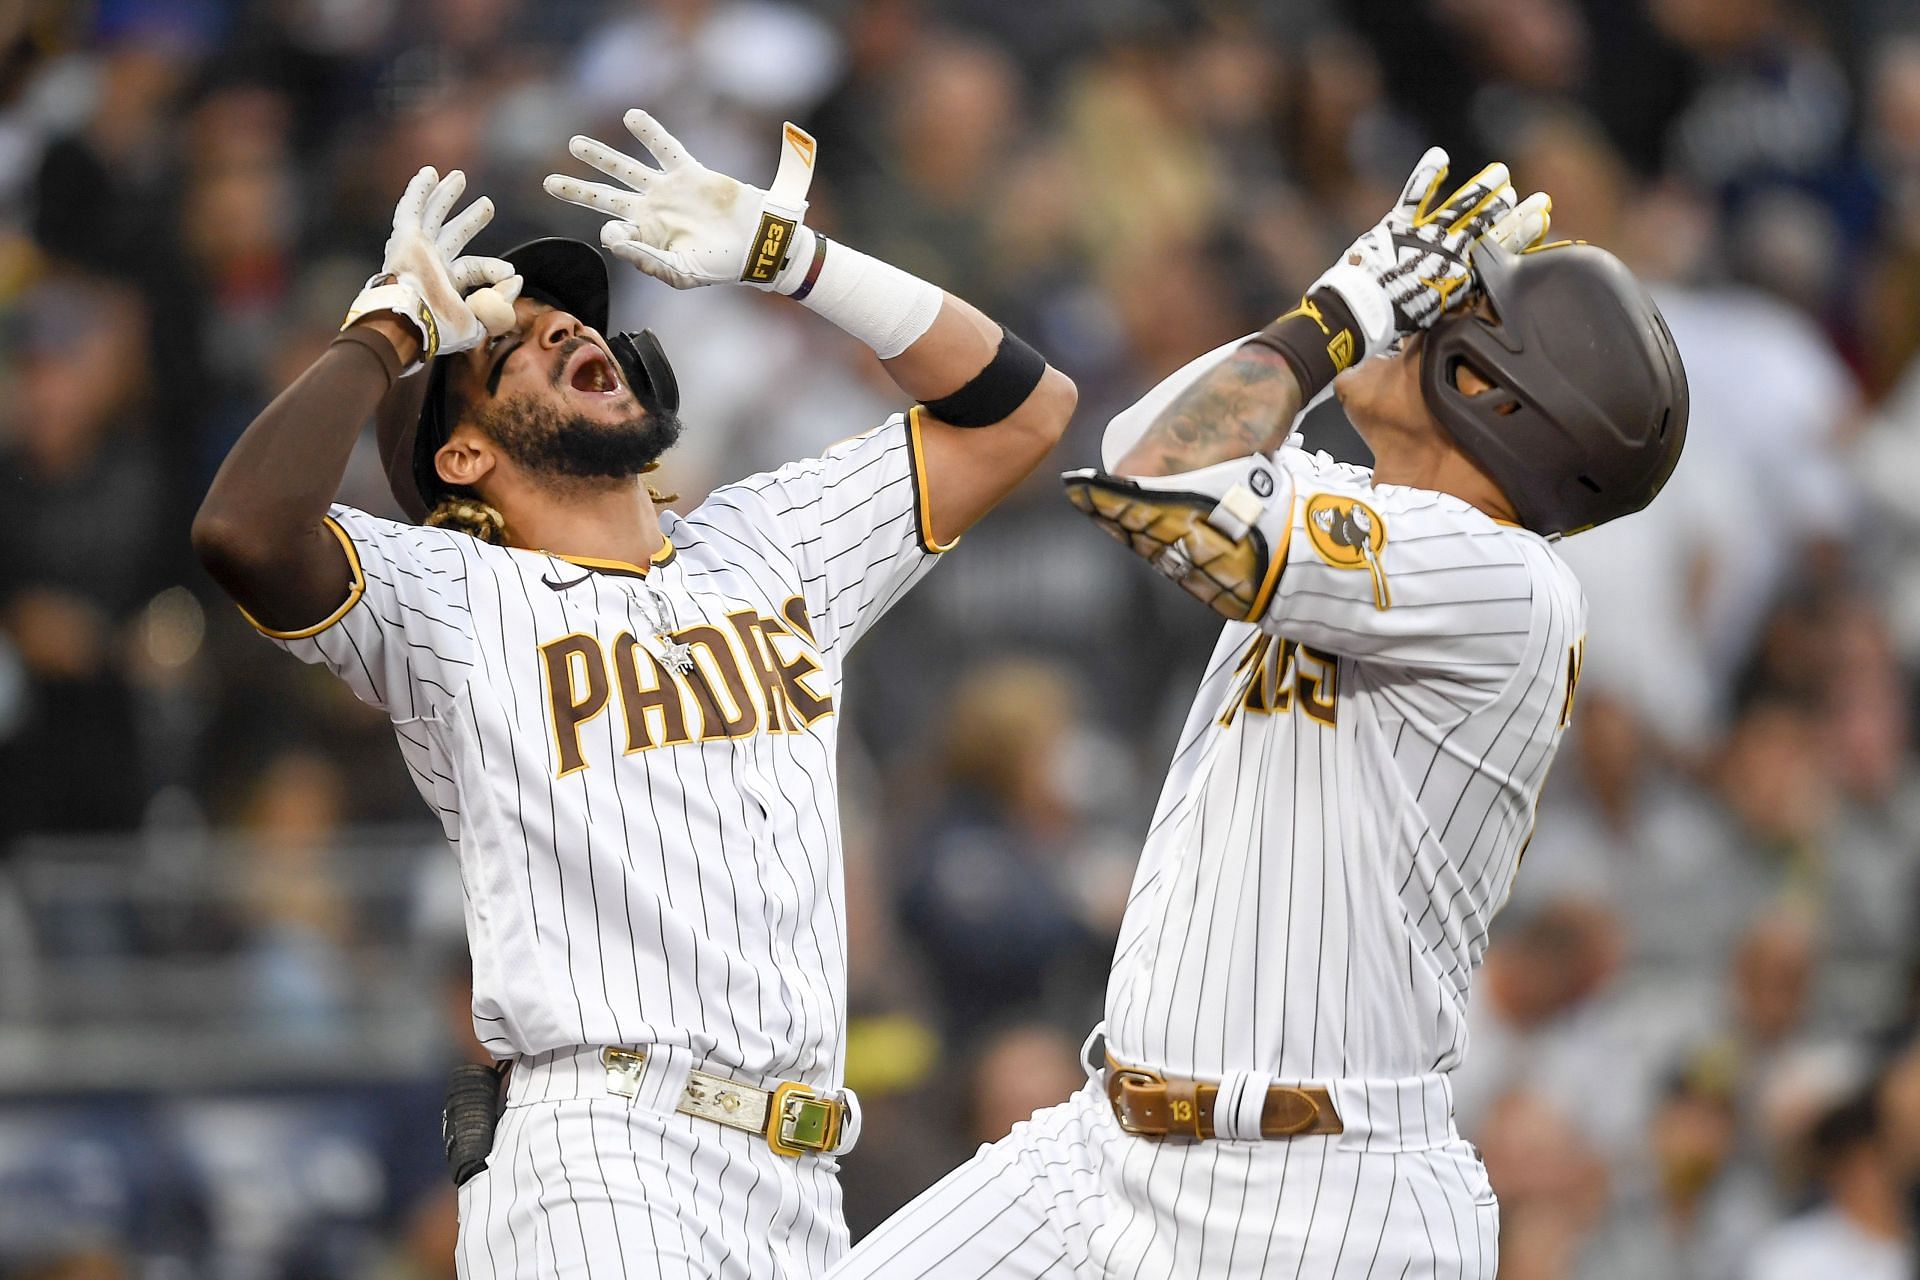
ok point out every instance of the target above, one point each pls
(1242, 405)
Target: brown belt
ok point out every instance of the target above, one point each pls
(1151, 1105)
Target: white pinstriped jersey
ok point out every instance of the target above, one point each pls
(1351, 794)
(648, 856)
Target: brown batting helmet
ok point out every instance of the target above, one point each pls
(1587, 412)
(563, 273)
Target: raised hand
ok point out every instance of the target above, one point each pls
(1413, 266)
(687, 225)
(454, 302)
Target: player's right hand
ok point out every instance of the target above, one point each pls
(454, 302)
(1412, 267)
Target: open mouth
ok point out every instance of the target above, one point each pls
(590, 372)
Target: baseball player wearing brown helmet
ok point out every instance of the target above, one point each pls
(1360, 770)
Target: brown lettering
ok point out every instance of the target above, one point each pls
(716, 721)
(803, 702)
(572, 702)
(1270, 685)
(1318, 688)
(794, 610)
(748, 624)
(644, 705)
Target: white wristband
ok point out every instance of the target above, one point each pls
(880, 304)
(1372, 309)
(403, 300)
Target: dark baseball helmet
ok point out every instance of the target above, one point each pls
(1588, 408)
(567, 274)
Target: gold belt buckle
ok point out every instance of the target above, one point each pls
(801, 1121)
(1116, 1076)
(624, 1069)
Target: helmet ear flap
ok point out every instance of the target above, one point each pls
(644, 365)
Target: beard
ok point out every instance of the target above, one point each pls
(547, 441)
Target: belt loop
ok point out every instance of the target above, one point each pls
(1093, 1052)
(664, 1080)
(849, 1123)
(1241, 1104)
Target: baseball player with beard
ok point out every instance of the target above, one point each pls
(625, 718)
(1358, 777)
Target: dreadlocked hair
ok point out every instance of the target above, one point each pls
(483, 521)
(472, 517)
(659, 499)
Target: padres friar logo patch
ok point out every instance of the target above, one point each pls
(1349, 534)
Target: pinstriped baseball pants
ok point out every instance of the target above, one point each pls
(1068, 1194)
(587, 1185)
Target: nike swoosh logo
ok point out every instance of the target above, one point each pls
(562, 586)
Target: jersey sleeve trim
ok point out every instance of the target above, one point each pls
(922, 502)
(1276, 565)
(354, 592)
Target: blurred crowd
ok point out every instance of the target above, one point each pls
(1696, 1041)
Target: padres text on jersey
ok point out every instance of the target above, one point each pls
(635, 763)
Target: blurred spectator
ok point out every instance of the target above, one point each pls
(1551, 1182)
(1899, 1099)
(989, 897)
(298, 934)
(1690, 1211)
(1891, 326)
(1772, 980)
(1780, 803)
(80, 485)
(1802, 1085)
(1531, 1023)
(912, 1133)
(1860, 1228)
(731, 70)
(1873, 871)
(1771, 401)
(1625, 824)
(1147, 179)
(1884, 454)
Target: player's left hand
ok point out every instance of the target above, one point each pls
(452, 300)
(1412, 266)
(688, 225)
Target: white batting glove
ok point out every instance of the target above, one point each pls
(1412, 267)
(689, 226)
(454, 303)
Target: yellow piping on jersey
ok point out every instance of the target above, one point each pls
(1276, 563)
(357, 589)
(661, 556)
(922, 500)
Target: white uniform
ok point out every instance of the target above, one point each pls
(650, 855)
(1350, 797)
